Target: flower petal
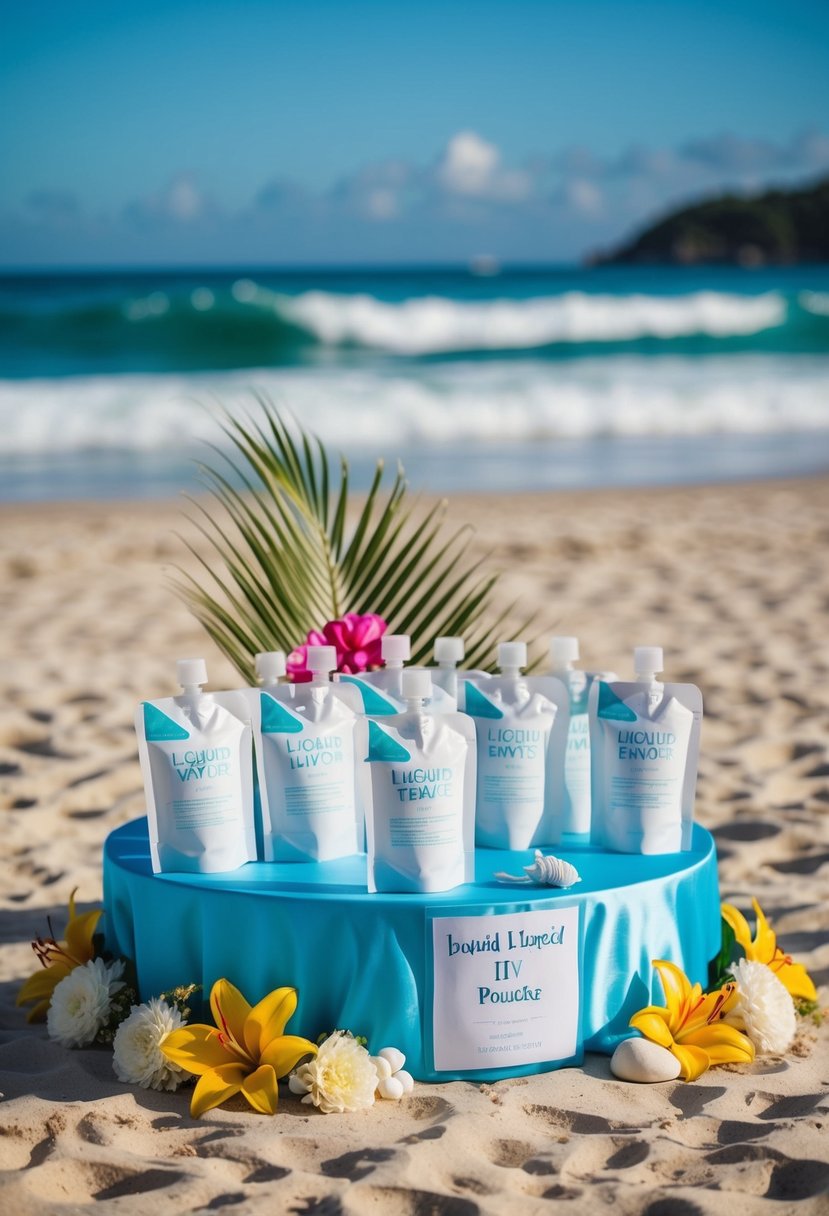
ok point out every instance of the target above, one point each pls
(38, 1012)
(652, 1023)
(266, 1021)
(196, 1048)
(215, 1087)
(722, 1043)
(284, 1053)
(261, 1091)
(677, 991)
(797, 980)
(79, 934)
(229, 1009)
(42, 983)
(739, 924)
(765, 939)
(693, 1061)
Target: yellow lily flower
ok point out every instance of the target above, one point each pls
(691, 1024)
(764, 949)
(57, 959)
(246, 1051)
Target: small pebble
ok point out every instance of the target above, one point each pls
(383, 1067)
(395, 1058)
(295, 1085)
(406, 1080)
(391, 1088)
(643, 1061)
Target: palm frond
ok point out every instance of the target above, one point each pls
(277, 558)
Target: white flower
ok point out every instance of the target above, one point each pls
(340, 1077)
(765, 1007)
(137, 1057)
(81, 1002)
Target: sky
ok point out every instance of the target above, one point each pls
(350, 132)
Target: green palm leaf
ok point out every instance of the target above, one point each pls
(288, 561)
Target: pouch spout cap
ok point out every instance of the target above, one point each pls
(449, 650)
(416, 684)
(270, 665)
(322, 659)
(396, 647)
(648, 660)
(191, 673)
(564, 650)
(512, 654)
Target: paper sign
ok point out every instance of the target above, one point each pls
(506, 989)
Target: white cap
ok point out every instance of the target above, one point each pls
(190, 672)
(321, 658)
(449, 650)
(647, 660)
(512, 654)
(269, 665)
(416, 684)
(396, 646)
(564, 650)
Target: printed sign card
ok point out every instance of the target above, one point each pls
(506, 989)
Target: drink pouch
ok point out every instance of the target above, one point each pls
(419, 792)
(576, 807)
(197, 765)
(644, 744)
(305, 758)
(521, 725)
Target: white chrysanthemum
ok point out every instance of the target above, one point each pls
(340, 1077)
(81, 1002)
(136, 1050)
(765, 1007)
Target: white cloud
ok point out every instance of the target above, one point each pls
(183, 199)
(471, 166)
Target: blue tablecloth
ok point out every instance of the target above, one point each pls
(362, 961)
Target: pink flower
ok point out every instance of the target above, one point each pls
(356, 639)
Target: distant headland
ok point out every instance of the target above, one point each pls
(777, 228)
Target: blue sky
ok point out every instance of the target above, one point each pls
(216, 132)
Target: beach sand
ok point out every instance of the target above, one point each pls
(733, 581)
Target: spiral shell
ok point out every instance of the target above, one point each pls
(545, 872)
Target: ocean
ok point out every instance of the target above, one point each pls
(110, 384)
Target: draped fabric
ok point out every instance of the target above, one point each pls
(362, 962)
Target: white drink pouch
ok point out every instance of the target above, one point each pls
(644, 745)
(521, 730)
(381, 691)
(197, 765)
(304, 740)
(576, 809)
(419, 792)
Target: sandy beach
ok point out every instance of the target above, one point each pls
(733, 581)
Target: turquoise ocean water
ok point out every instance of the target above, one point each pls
(110, 383)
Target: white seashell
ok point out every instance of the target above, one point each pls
(383, 1067)
(406, 1080)
(643, 1061)
(395, 1058)
(391, 1089)
(545, 872)
(295, 1085)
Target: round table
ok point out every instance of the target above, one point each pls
(391, 967)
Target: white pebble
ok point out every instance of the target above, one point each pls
(643, 1061)
(383, 1067)
(406, 1080)
(295, 1085)
(395, 1058)
(390, 1088)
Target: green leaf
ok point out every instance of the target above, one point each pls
(719, 969)
(283, 549)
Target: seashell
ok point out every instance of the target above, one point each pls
(391, 1089)
(395, 1058)
(406, 1080)
(545, 872)
(382, 1066)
